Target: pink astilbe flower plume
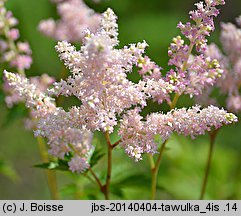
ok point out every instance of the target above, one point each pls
(75, 17)
(54, 123)
(33, 96)
(191, 73)
(138, 134)
(99, 76)
(17, 54)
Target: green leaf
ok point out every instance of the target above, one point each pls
(63, 165)
(135, 181)
(60, 165)
(96, 156)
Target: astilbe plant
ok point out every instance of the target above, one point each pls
(109, 99)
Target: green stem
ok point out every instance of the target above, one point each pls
(184, 66)
(96, 179)
(152, 162)
(116, 144)
(212, 136)
(174, 102)
(63, 75)
(50, 174)
(109, 167)
(154, 170)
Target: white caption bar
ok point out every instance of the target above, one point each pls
(99, 208)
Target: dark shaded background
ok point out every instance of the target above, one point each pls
(183, 165)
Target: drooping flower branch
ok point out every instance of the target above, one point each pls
(138, 134)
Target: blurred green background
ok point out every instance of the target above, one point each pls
(183, 165)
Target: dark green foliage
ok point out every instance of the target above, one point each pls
(60, 165)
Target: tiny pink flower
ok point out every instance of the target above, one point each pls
(13, 34)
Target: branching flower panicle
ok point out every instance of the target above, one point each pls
(191, 73)
(99, 76)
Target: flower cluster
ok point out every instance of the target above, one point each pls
(99, 80)
(196, 71)
(230, 61)
(203, 18)
(64, 138)
(30, 93)
(99, 76)
(192, 73)
(17, 54)
(18, 57)
(75, 17)
(54, 123)
(138, 134)
(43, 82)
